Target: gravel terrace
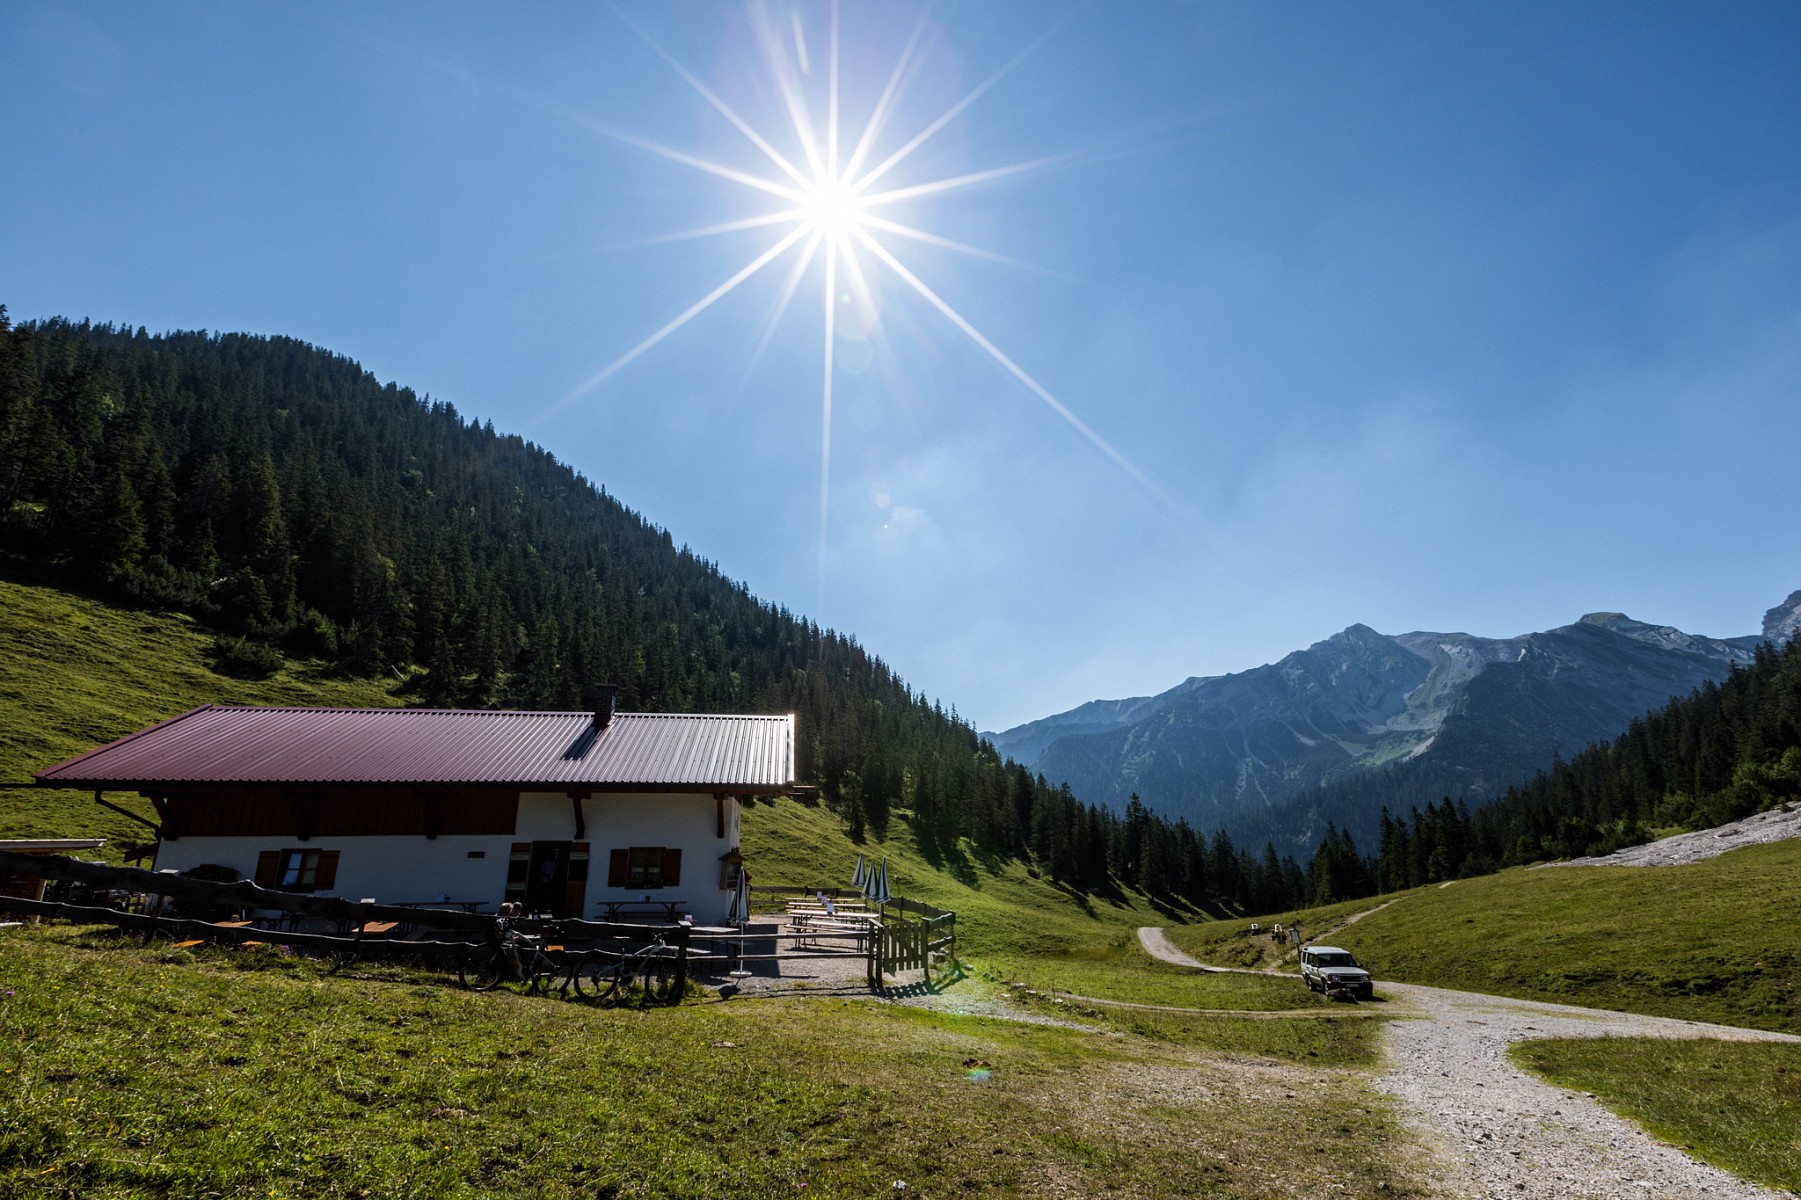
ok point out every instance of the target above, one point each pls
(1496, 1131)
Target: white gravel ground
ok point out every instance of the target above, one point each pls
(1498, 1131)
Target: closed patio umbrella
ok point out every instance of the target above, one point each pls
(740, 909)
(860, 875)
(878, 889)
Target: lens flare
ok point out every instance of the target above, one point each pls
(830, 199)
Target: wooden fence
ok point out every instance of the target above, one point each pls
(461, 930)
(911, 936)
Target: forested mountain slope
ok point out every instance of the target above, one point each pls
(282, 496)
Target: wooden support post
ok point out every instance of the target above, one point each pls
(681, 962)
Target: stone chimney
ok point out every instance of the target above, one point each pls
(609, 696)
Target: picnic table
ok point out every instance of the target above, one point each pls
(811, 922)
(614, 909)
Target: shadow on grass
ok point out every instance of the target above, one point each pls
(948, 856)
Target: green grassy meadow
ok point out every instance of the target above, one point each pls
(79, 672)
(1735, 1104)
(1710, 941)
(132, 1071)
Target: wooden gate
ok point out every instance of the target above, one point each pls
(910, 937)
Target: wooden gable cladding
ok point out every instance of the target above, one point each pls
(311, 812)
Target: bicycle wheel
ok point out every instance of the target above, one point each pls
(483, 968)
(598, 975)
(657, 978)
(548, 972)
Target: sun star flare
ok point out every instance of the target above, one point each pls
(829, 217)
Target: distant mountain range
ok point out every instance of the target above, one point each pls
(1448, 713)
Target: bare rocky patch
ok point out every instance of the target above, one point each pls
(1760, 829)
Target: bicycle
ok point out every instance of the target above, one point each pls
(510, 956)
(609, 974)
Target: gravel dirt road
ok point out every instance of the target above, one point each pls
(1496, 1131)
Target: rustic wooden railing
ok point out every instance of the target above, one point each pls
(349, 915)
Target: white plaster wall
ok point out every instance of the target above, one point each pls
(411, 868)
(389, 869)
(685, 822)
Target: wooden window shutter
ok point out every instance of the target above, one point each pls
(618, 866)
(268, 868)
(328, 871)
(672, 868)
(575, 890)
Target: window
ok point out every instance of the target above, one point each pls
(644, 868)
(302, 870)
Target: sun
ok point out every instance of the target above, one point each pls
(831, 208)
(830, 212)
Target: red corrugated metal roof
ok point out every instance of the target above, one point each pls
(558, 750)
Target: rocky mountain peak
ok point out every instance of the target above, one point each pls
(1666, 637)
(1478, 712)
(1784, 621)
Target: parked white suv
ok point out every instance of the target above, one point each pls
(1328, 969)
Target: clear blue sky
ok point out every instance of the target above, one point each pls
(1429, 316)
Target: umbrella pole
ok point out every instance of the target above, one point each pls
(739, 972)
(743, 915)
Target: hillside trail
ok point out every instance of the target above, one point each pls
(1496, 1130)
(1152, 938)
